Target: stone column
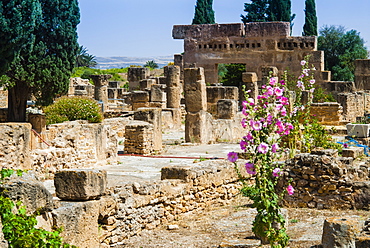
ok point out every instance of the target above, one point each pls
(101, 88)
(153, 116)
(197, 119)
(172, 74)
(135, 75)
(140, 99)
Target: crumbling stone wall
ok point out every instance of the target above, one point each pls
(328, 113)
(362, 74)
(323, 180)
(353, 105)
(3, 98)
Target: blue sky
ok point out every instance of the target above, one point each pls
(142, 28)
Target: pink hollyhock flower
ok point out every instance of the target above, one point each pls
(312, 90)
(263, 148)
(312, 81)
(284, 100)
(244, 104)
(289, 125)
(250, 101)
(303, 62)
(243, 145)
(278, 91)
(282, 82)
(250, 168)
(283, 111)
(244, 123)
(269, 91)
(274, 147)
(272, 81)
(345, 145)
(300, 84)
(232, 156)
(249, 136)
(269, 119)
(276, 172)
(261, 97)
(290, 190)
(256, 125)
(244, 112)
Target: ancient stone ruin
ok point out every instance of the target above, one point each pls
(96, 213)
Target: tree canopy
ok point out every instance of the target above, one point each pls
(268, 11)
(341, 49)
(151, 64)
(43, 67)
(84, 59)
(18, 19)
(204, 13)
(310, 24)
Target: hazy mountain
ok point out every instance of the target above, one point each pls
(119, 62)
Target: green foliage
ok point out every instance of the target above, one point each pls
(341, 48)
(256, 11)
(231, 74)
(19, 228)
(310, 25)
(84, 59)
(73, 108)
(321, 96)
(18, 20)
(85, 72)
(204, 13)
(44, 66)
(151, 64)
(280, 10)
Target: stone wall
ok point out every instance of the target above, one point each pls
(362, 74)
(353, 105)
(328, 113)
(323, 180)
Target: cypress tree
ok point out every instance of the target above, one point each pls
(280, 10)
(18, 19)
(310, 25)
(43, 68)
(256, 11)
(204, 13)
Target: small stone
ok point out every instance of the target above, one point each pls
(173, 227)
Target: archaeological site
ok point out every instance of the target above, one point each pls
(161, 153)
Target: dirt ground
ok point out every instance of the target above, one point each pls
(230, 226)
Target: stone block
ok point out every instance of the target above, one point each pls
(171, 118)
(140, 96)
(38, 122)
(231, 92)
(80, 184)
(139, 136)
(176, 172)
(114, 84)
(340, 232)
(29, 191)
(249, 77)
(157, 93)
(146, 83)
(80, 223)
(358, 130)
(226, 109)
(136, 74)
(353, 152)
(137, 105)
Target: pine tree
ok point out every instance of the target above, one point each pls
(204, 13)
(256, 11)
(310, 25)
(43, 68)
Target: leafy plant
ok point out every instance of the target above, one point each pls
(73, 108)
(19, 228)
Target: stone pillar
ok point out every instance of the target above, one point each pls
(135, 75)
(38, 122)
(101, 88)
(179, 61)
(197, 119)
(172, 74)
(249, 83)
(139, 138)
(153, 116)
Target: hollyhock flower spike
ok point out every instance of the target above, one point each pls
(232, 156)
(272, 81)
(249, 167)
(243, 145)
(303, 62)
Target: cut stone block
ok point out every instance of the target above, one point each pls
(358, 130)
(226, 109)
(80, 184)
(353, 152)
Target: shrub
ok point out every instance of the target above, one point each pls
(73, 108)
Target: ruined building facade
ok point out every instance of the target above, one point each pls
(256, 45)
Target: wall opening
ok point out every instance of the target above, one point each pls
(230, 74)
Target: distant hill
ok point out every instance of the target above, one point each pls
(119, 62)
